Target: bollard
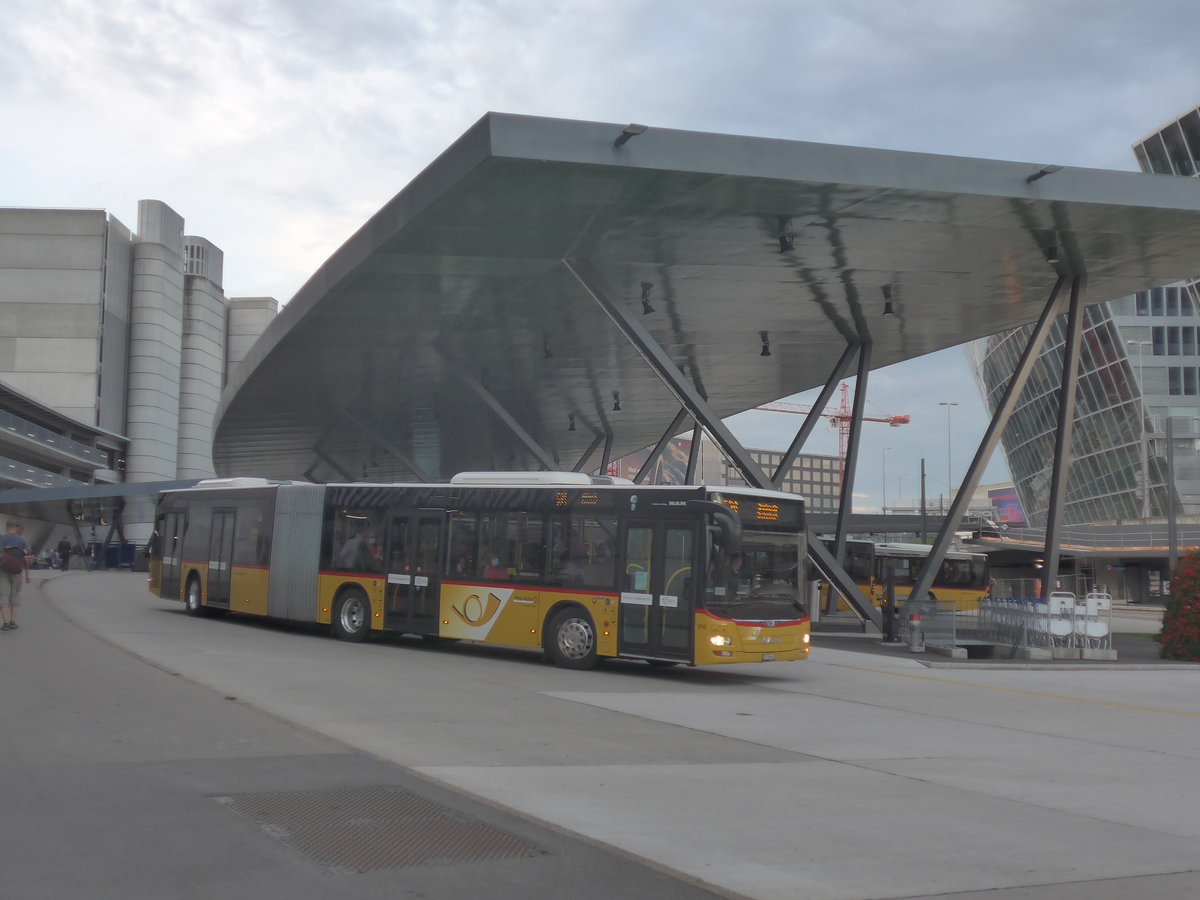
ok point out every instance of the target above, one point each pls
(916, 637)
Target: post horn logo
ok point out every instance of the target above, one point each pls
(475, 611)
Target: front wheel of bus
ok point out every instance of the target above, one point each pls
(352, 618)
(192, 599)
(571, 640)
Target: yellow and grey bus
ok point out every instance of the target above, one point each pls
(963, 577)
(580, 567)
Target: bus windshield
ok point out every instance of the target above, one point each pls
(761, 582)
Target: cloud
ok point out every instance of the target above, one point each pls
(277, 127)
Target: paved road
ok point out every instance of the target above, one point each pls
(851, 775)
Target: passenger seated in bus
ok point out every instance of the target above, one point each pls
(358, 554)
(572, 568)
(495, 571)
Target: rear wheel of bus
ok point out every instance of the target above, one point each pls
(193, 598)
(352, 616)
(571, 639)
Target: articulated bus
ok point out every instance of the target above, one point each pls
(963, 577)
(580, 567)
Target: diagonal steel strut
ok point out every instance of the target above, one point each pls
(652, 352)
(991, 437)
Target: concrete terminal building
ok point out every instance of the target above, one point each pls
(116, 346)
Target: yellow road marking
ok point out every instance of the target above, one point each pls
(991, 687)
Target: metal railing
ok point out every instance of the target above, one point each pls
(1059, 622)
(25, 429)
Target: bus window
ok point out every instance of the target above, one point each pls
(356, 540)
(517, 541)
(581, 552)
(464, 546)
(252, 542)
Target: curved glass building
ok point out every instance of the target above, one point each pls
(1139, 376)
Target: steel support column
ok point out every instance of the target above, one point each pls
(987, 444)
(815, 414)
(498, 409)
(671, 431)
(850, 463)
(693, 455)
(593, 283)
(587, 454)
(1062, 440)
(319, 453)
(387, 445)
(689, 398)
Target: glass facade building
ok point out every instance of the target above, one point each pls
(1139, 373)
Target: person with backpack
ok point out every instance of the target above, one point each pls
(13, 550)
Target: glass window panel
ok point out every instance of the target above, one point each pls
(1190, 125)
(1160, 162)
(1158, 337)
(1143, 158)
(1156, 302)
(1173, 341)
(1174, 380)
(677, 575)
(1181, 160)
(635, 618)
(1172, 295)
(1189, 381)
(1188, 343)
(1143, 303)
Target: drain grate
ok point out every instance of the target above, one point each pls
(368, 829)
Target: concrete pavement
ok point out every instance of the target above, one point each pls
(851, 775)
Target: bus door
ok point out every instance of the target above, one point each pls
(220, 555)
(172, 553)
(413, 573)
(658, 590)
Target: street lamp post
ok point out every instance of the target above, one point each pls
(949, 483)
(1143, 438)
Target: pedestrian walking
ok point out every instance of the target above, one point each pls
(64, 554)
(13, 552)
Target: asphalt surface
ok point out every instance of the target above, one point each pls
(135, 738)
(115, 769)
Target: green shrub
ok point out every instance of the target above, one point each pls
(1180, 637)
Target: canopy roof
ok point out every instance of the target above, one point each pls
(448, 333)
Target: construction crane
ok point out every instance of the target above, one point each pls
(842, 416)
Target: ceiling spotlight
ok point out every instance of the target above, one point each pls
(630, 130)
(616, 401)
(1052, 255)
(786, 235)
(571, 420)
(888, 308)
(646, 307)
(1042, 173)
(766, 343)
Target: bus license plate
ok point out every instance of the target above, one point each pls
(768, 657)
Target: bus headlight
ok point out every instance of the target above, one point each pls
(807, 638)
(720, 640)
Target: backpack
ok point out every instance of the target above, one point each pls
(12, 561)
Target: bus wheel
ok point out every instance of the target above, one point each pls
(191, 599)
(352, 617)
(571, 640)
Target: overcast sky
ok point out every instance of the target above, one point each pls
(277, 127)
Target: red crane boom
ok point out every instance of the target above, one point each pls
(842, 416)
